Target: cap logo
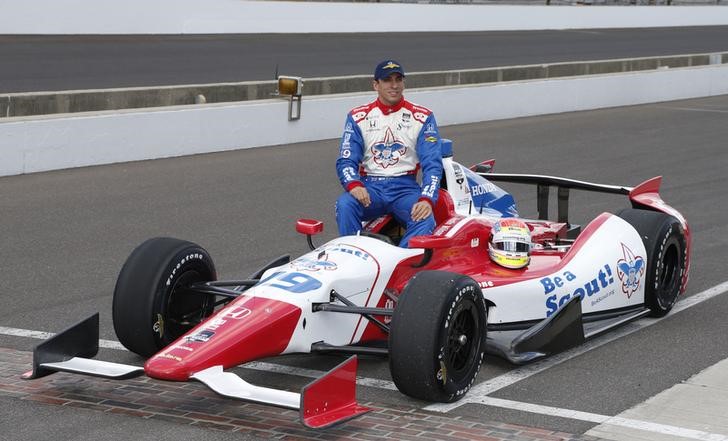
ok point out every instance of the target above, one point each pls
(390, 65)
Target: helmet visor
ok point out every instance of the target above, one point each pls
(512, 247)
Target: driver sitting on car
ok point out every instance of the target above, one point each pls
(384, 145)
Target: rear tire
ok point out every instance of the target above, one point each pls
(437, 336)
(664, 240)
(150, 307)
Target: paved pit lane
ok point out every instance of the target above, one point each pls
(65, 235)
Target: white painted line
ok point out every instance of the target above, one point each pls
(481, 390)
(693, 109)
(663, 429)
(110, 344)
(26, 333)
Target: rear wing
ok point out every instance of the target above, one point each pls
(644, 194)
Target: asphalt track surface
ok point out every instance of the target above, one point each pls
(42, 63)
(65, 235)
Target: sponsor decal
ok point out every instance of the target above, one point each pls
(349, 174)
(430, 139)
(446, 226)
(388, 151)
(450, 252)
(185, 348)
(486, 284)
(363, 255)
(429, 190)
(372, 123)
(348, 128)
(158, 326)
(406, 122)
(322, 263)
(346, 142)
(602, 297)
(559, 291)
(630, 270)
(214, 323)
(474, 242)
(389, 304)
(358, 115)
(460, 178)
(422, 117)
(372, 225)
(200, 336)
(235, 312)
(483, 188)
(170, 356)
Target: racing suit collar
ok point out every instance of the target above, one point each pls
(390, 109)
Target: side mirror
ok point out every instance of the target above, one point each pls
(309, 227)
(429, 243)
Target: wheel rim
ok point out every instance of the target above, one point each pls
(462, 340)
(185, 309)
(667, 283)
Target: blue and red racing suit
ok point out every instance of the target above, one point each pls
(382, 149)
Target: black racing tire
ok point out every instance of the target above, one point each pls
(437, 336)
(150, 308)
(665, 244)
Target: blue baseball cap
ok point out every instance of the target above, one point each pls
(387, 68)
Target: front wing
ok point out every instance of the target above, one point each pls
(328, 400)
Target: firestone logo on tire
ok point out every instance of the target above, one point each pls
(187, 258)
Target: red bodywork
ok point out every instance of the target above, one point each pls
(647, 195)
(250, 328)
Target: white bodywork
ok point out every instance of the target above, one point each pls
(356, 267)
(593, 273)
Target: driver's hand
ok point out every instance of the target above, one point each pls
(421, 210)
(362, 195)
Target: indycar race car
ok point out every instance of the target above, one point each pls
(434, 308)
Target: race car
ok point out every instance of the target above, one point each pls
(434, 308)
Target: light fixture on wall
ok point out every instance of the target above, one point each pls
(291, 86)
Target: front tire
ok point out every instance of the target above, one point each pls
(151, 307)
(665, 242)
(437, 336)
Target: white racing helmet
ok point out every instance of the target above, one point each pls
(510, 243)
